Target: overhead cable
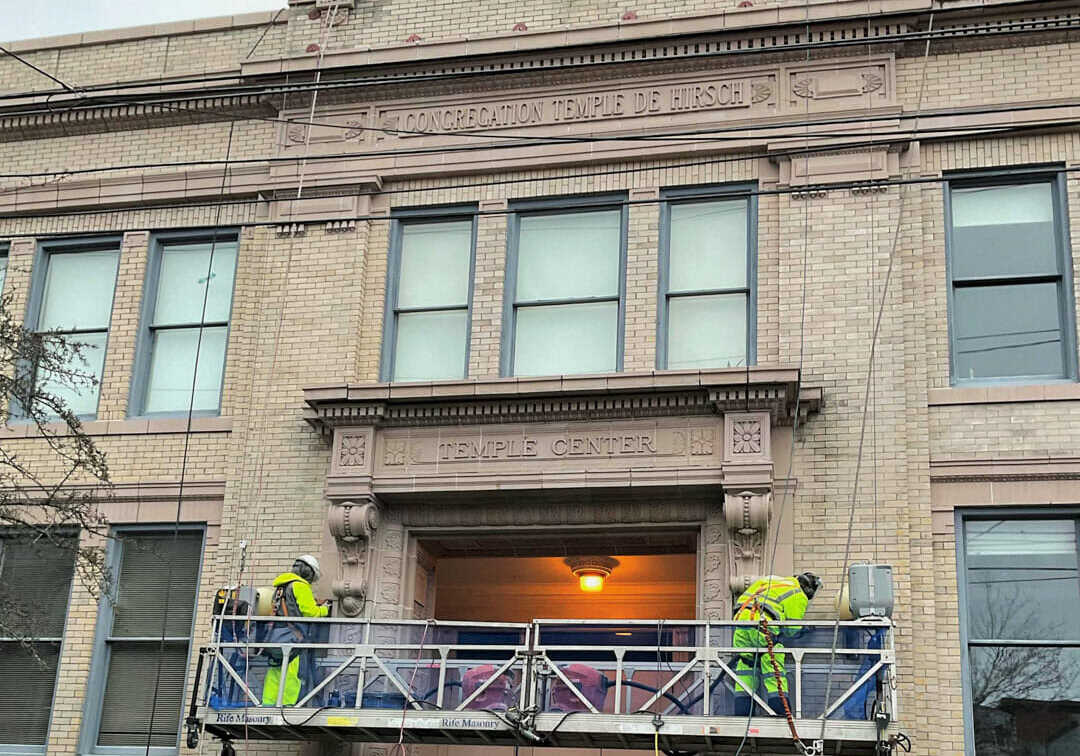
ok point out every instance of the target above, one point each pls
(1036, 26)
(866, 398)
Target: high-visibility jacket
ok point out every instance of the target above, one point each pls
(780, 599)
(293, 597)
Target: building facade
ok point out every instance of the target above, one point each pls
(450, 294)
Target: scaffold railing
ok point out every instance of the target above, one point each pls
(570, 683)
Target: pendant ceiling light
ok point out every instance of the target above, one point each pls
(591, 571)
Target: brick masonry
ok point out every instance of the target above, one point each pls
(308, 310)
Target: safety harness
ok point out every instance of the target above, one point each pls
(280, 607)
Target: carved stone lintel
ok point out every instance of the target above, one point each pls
(353, 525)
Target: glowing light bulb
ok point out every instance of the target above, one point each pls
(591, 582)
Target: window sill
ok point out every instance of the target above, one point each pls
(135, 426)
(1047, 392)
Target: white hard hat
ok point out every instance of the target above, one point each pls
(311, 562)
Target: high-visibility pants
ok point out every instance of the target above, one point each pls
(750, 637)
(292, 684)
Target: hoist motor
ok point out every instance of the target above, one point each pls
(244, 600)
(868, 593)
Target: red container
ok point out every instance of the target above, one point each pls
(498, 696)
(589, 681)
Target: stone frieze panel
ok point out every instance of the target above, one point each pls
(391, 137)
(665, 442)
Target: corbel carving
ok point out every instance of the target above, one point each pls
(747, 514)
(353, 525)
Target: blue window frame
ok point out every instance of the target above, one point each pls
(429, 284)
(1019, 578)
(143, 642)
(565, 296)
(1010, 278)
(707, 308)
(36, 574)
(71, 294)
(178, 335)
(3, 266)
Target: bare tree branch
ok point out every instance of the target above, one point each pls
(51, 490)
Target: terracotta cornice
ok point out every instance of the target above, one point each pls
(560, 398)
(731, 20)
(750, 21)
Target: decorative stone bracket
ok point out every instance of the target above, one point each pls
(353, 525)
(748, 482)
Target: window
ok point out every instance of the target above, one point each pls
(3, 267)
(73, 288)
(185, 326)
(428, 299)
(1021, 624)
(707, 302)
(144, 639)
(35, 582)
(565, 291)
(1010, 299)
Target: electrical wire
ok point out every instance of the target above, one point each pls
(795, 419)
(184, 461)
(866, 397)
(956, 32)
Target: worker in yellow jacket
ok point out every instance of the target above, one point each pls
(292, 598)
(778, 599)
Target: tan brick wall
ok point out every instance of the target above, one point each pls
(308, 309)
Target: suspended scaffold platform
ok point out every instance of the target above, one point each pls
(561, 683)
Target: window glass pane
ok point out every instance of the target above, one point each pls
(435, 264)
(35, 581)
(566, 339)
(130, 704)
(430, 345)
(1006, 331)
(26, 697)
(1023, 581)
(708, 245)
(172, 366)
(155, 569)
(3, 272)
(569, 255)
(707, 331)
(1003, 231)
(78, 290)
(1024, 701)
(182, 283)
(81, 400)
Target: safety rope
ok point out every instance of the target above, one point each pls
(770, 645)
(756, 606)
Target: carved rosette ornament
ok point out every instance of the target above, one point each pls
(353, 526)
(748, 483)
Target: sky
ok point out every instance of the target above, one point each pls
(45, 18)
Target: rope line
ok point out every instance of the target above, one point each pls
(866, 394)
